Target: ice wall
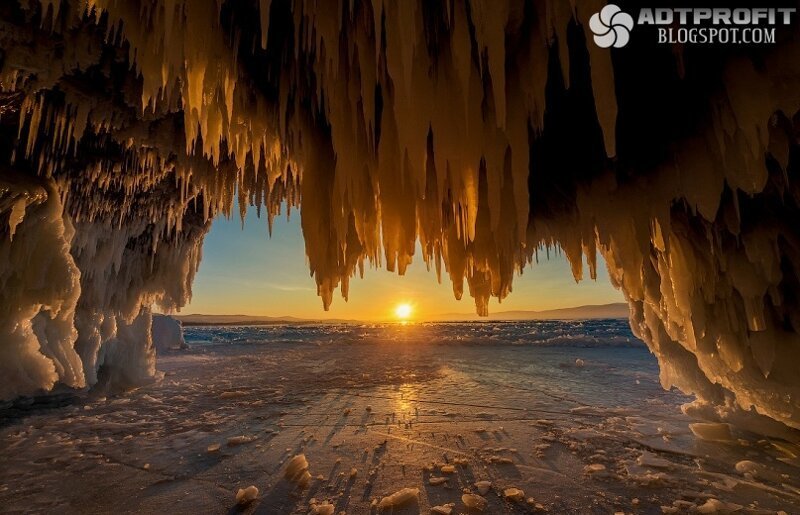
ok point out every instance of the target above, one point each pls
(489, 131)
(39, 288)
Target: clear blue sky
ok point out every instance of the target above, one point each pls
(244, 271)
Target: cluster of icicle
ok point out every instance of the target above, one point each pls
(707, 251)
(391, 131)
(410, 132)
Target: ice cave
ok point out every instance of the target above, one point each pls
(489, 131)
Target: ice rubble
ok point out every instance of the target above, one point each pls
(489, 131)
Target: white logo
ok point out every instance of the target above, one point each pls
(611, 27)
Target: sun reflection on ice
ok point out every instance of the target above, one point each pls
(405, 403)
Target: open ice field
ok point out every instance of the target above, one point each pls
(524, 417)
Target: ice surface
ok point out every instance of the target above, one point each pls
(92, 451)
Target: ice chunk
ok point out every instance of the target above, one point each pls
(712, 431)
(716, 506)
(483, 487)
(297, 471)
(167, 333)
(474, 502)
(324, 508)
(240, 440)
(648, 459)
(594, 468)
(399, 498)
(748, 467)
(246, 495)
(514, 494)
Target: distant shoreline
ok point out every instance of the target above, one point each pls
(264, 322)
(356, 322)
(615, 311)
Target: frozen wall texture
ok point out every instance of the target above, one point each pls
(489, 130)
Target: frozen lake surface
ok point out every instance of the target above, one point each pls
(570, 413)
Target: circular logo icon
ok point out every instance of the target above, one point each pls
(611, 27)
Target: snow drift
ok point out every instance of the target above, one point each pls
(489, 131)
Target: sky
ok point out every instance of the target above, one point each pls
(245, 272)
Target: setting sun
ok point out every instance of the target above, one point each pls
(403, 311)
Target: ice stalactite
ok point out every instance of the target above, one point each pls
(488, 131)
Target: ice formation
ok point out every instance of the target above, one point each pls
(474, 502)
(483, 487)
(297, 471)
(246, 495)
(488, 131)
(323, 508)
(400, 498)
(167, 333)
(443, 509)
(514, 494)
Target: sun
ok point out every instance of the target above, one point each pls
(403, 311)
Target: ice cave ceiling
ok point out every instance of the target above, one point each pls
(485, 129)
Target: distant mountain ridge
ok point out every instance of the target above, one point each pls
(201, 319)
(593, 311)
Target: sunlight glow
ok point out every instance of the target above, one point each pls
(403, 311)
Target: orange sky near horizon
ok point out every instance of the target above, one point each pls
(245, 272)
